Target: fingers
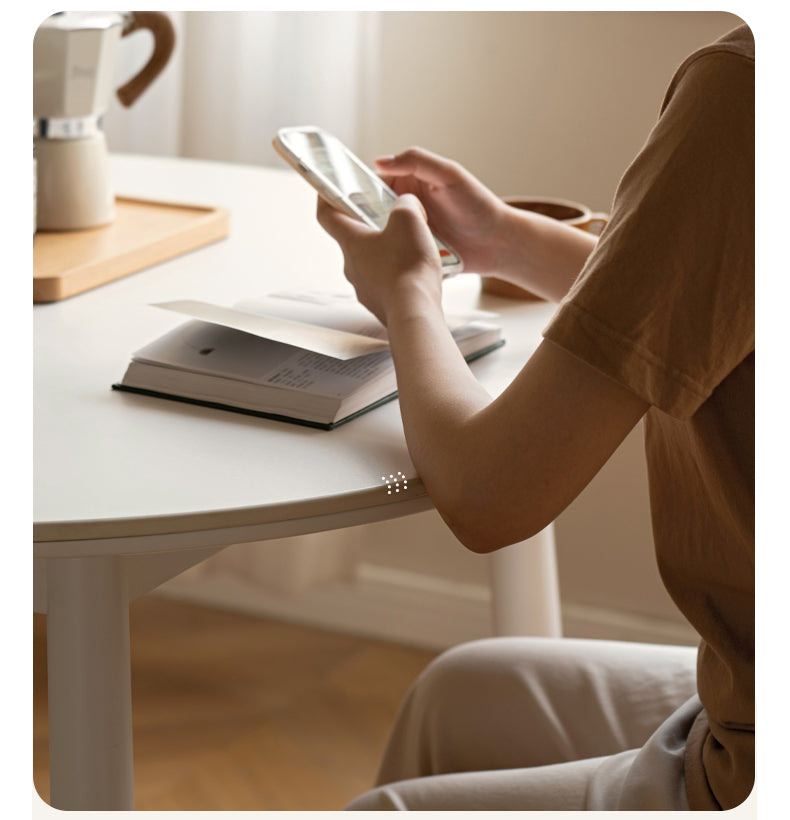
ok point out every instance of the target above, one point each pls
(409, 202)
(424, 165)
(337, 224)
(342, 226)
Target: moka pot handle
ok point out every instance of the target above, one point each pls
(160, 25)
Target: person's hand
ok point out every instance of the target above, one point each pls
(461, 211)
(390, 267)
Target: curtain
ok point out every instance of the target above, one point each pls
(233, 80)
(236, 77)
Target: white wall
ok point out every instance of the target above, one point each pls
(533, 102)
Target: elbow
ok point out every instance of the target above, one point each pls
(484, 509)
(481, 543)
(486, 529)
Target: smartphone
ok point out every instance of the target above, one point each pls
(345, 181)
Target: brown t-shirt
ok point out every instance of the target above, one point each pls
(665, 305)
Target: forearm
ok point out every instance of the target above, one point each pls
(541, 254)
(440, 400)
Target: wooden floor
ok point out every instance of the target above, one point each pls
(231, 712)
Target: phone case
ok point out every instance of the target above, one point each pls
(328, 193)
(451, 262)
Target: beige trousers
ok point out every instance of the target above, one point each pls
(525, 724)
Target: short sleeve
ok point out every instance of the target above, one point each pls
(665, 304)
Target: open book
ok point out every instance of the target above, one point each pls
(309, 358)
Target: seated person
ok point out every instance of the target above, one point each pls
(656, 321)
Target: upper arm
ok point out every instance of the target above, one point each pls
(527, 454)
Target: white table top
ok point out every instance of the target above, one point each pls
(121, 473)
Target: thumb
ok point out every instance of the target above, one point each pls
(409, 202)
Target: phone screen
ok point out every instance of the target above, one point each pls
(352, 180)
(326, 157)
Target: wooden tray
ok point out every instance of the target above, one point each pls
(143, 233)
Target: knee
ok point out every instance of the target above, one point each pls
(454, 665)
(446, 690)
(460, 674)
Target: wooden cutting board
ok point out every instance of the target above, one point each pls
(142, 234)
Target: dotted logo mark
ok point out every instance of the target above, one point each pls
(395, 483)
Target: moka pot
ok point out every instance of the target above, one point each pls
(74, 56)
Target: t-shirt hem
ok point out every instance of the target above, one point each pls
(698, 791)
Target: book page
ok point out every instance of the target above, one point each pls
(332, 324)
(328, 377)
(339, 311)
(214, 350)
(320, 338)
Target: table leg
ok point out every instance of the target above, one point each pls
(525, 595)
(90, 700)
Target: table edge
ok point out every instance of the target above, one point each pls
(242, 525)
